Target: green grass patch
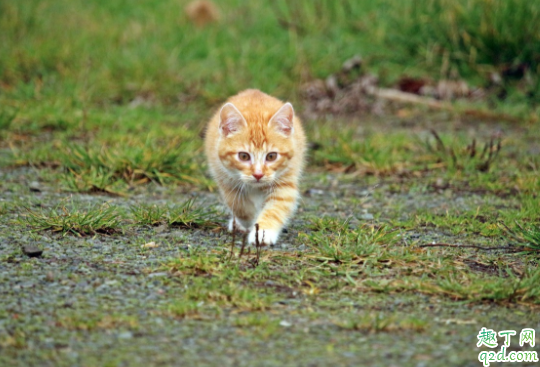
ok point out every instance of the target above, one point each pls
(467, 286)
(471, 223)
(456, 156)
(134, 163)
(345, 150)
(471, 35)
(104, 219)
(186, 215)
(526, 234)
(93, 321)
(340, 263)
(107, 219)
(329, 224)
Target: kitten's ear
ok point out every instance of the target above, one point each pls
(230, 120)
(283, 120)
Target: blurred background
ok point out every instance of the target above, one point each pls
(174, 52)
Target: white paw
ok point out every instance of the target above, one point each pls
(266, 236)
(237, 225)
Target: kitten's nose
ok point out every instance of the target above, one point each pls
(258, 176)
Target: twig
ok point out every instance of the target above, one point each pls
(233, 237)
(440, 143)
(472, 148)
(257, 244)
(243, 245)
(513, 248)
(260, 248)
(404, 97)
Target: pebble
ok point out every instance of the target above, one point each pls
(125, 335)
(32, 251)
(367, 216)
(150, 245)
(154, 275)
(285, 323)
(162, 228)
(34, 186)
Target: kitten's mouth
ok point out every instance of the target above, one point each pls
(260, 183)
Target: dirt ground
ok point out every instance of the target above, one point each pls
(100, 300)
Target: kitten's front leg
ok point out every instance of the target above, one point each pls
(276, 212)
(234, 224)
(242, 210)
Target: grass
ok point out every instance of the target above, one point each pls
(151, 55)
(468, 162)
(74, 220)
(527, 234)
(96, 320)
(370, 153)
(471, 35)
(6, 118)
(134, 163)
(214, 285)
(471, 223)
(109, 219)
(185, 215)
(468, 287)
(475, 39)
(149, 215)
(340, 262)
(472, 157)
(114, 167)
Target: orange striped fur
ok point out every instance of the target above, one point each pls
(255, 147)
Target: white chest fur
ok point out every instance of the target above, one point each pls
(254, 200)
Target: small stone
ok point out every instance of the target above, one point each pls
(332, 84)
(160, 274)
(68, 304)
(150, 245)
(354, 62)
(34, 186)
(367, 216)
(285, 323)
(32, 251)
(162, 228)
(125, 335)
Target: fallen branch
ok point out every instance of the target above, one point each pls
(404, 97)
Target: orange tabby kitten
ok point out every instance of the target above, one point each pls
(255, 147)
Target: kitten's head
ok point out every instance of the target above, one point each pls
(255, 145)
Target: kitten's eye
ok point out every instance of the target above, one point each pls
(270, 157)
(244, 157)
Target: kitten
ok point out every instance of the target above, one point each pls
(255, 147)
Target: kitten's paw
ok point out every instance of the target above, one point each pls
(238, 226)
(266, 236)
